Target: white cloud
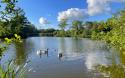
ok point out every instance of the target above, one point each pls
(43, 21)
(94, 7)
(100, 6)
(72, 14)
(97, 6)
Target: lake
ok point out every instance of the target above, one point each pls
(79, 59)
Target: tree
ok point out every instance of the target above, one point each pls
(63, 25)
(76, 27)
(8, 70)
(6, 13)
(18, 22)
(13, 20)
(9, 9)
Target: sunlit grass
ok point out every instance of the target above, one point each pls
(10, 70)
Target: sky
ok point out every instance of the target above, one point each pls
(48, 13)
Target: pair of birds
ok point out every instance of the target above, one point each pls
(40, 52)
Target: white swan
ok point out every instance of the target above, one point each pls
(40, 52)
(45, 51)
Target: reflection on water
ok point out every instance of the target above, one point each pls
(21, 51)
(96, 58)
(66, 57)
(114, 70)
(97, 54)
(70, 49)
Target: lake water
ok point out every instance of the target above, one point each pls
(79, 57)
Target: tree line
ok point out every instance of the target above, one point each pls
(111, 31)
(76, 29)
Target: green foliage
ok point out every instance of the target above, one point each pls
(63, 24)
(12, 71)
(13, 20)
(6, 43)
(76, 28)
(115, 33)
(8, 10)
(112, 71)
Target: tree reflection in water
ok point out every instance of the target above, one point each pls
(114, 70)
(22, 51)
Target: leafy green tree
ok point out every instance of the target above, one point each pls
(113, 31)
(13, 20)
(8, 9)
(76, 27)
(18, 21)
(62, 25)
(11, 71)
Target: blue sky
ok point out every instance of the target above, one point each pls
(49, 9)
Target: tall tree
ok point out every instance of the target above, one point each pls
(18, 22)
(63, 25)
(7, 10)
(76, 26)
(13, 20)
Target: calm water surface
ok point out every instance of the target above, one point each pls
(79, 57)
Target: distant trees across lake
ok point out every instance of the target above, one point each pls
(111, 31)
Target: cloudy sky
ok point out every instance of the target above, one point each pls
(48, 13)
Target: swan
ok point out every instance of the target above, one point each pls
(45, 51)
(39, 52)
